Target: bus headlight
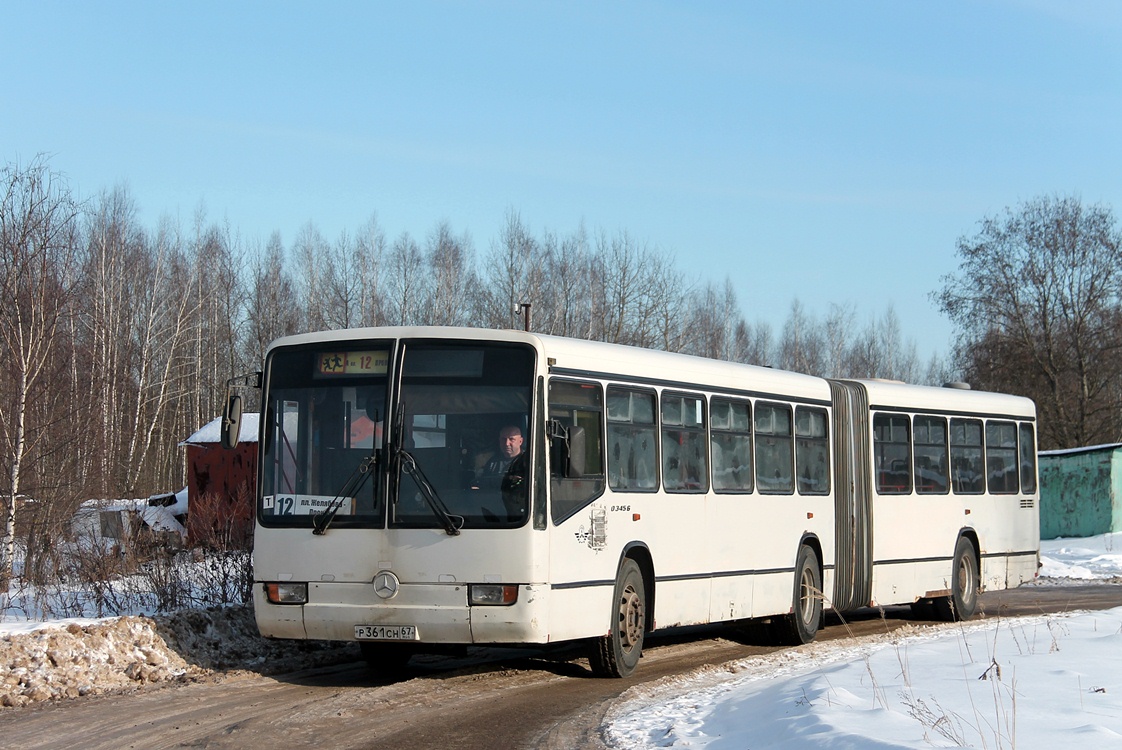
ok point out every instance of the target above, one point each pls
(493, 594)
(286, 593)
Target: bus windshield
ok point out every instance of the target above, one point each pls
(456, 436)
(464, 425)
(324, 414)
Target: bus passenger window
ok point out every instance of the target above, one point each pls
(685, 466)
(730, 423)
(575, 404)
(812, 451)
(1028, 458)
(775, 461)
(1001, 457)
(632, 452)
(892, 454)
(968, 476)
(930, 437)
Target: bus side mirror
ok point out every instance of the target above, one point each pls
(231, 422)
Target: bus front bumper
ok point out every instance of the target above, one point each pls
(440, 613)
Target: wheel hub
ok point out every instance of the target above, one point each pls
(631, 618)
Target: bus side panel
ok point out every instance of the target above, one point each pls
(584, 553)
(894, 583)
(587, 548)
(733, 594)
(576, 613)
(732, 598)
(675, 528)
(755, 571)
(1021, 569)
(1009, 532)
(774, 593)
(923, 528)
(995, 572)
(682, 602)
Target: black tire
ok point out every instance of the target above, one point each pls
(617, 654)
(387, 660)
(801, 626)
(965, 584)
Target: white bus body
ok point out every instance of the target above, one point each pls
(654, 490)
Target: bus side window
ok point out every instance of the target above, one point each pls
(730, 424)
(1001, 457)
(1028, 458)
(812, 451)
(892, 454)
(577, 404)
(775, 460)
(685, 464)
(968, 475)
(930, 439)
(632, 443)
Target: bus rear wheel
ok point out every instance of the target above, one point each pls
(801, 626)
(963, 600)
(617, 653)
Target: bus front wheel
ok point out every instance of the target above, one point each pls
(617, 653)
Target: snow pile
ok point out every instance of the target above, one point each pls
(75, 658)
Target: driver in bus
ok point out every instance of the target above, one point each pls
(506, 470)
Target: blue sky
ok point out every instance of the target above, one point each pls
(827, 152)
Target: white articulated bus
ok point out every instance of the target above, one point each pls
(421, 488)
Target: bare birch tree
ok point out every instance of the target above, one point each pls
(837, 333)
(449, 259)
(565, 308)
(370, 257)
(161, 319)
(273, 310)
(310, 252)
(404, 281)
(513, 274)
(38, 226)
(114, 262)
(342, 284)
(801, 347)
(754, 344)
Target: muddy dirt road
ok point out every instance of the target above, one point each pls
(492, 699)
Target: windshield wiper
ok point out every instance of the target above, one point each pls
(350, 489)
(452, 524)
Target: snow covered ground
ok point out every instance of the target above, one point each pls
(1043, 682)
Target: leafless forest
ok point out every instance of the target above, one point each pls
(117, 338)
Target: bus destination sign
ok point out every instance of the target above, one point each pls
(370, 362)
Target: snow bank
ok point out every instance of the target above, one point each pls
(1038, 682)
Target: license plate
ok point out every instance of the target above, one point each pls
(386, 632)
